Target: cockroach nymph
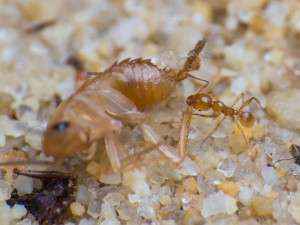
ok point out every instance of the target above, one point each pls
(123, 93)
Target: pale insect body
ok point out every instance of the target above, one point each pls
(118, 95)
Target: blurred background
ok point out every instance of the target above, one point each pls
(253, 46)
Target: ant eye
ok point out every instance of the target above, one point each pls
(61, 126)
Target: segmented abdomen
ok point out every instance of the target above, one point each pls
(142, 82)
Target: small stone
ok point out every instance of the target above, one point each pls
(227, 167)
(18, 211)
(275, 57)
(229, 187)
(85, 221)
(83, 194)
(262, 206)
(2, 139)
(11, 127)
(146, 211)
(294, 207)
(95, 209)
(113, 221)
(238, 55)
(192, 217)
(126, 211)
(168, 222)
(136, 180)
(165, 200)
(190, 185)
(5, 214)
(5, 190)
(77, 209)
(189, 168)
(34, 140)
(283, 107)
(245, 195)
(24, 185)
(218, 203)
(269, 175)
(295, 20)
(30, 221)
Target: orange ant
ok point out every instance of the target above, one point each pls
(204, 102)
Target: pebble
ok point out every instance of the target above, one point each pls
(219, 203)
(284, 108)
(2, 139)
(136, 180)
(18, 211)
(262, 206)
(24, 185)
(85, 221)
(294, 207)
(269, 175)
(245, 195)
(77, 209)
(229, 187)
(227, 167)
(5, 190)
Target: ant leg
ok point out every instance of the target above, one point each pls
(241, 96)
(202, 87)
(184, 132)
(151, 136)
(212, 131)
(204, 115)
(242, 131)
(248, 102)
(238, 98)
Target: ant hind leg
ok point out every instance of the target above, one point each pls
(238, 98)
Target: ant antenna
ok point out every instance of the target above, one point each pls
(192, 62)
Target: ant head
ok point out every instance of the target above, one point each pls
(191, 100)
(199, 101)
(246, 119)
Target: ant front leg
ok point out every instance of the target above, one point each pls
(184, 132)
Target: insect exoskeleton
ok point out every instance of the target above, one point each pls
(202, 102)
(107, 100)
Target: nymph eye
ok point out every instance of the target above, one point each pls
(61, 126)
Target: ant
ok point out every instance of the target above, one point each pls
(204, 102)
